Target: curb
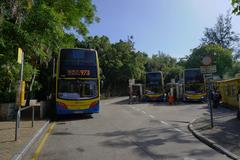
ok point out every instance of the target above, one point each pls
(211, 143)
(19, 155)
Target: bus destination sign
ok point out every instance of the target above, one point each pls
(77, 72)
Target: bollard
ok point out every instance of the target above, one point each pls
(32, 115)
(17, 124)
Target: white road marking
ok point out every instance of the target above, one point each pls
(164, 123)
(151, 116)
(176, 129)
(143, 112)
(187, 158)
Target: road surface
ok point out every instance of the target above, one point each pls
(147, 131)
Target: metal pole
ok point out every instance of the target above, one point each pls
(17, 124)
(18, 116)
(210, 106)
(238, 113)
(32, 115)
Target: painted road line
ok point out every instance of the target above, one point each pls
(164, 123)
(20, 155)
(187, 158)
(143, 112)
(176, 129)
(42, 142)
(151, 116)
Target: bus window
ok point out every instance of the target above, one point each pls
(76, 90)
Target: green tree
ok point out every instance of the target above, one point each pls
(222, 57)
(39, 27)
(236, 6)
(222, 33)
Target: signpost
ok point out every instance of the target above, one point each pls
(20, 92)
(207, 69)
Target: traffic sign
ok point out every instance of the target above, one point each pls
(208, 69)
(207, 60)
(20, 56)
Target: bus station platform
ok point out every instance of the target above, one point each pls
(224, 136)
(11, 149)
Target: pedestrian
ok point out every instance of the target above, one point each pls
(216, 98)
(238, 99)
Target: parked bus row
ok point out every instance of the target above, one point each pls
(190, 88)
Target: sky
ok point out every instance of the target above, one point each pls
(170, 26)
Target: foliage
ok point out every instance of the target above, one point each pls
(236, 6)
(234, 70)
(222, 57)
(221, 33)
(38, 27)
(165, 63)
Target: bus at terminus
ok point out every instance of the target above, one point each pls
(77, 82)
(154, 89)
(193, 87)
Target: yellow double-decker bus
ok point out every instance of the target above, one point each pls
(193, 85)
(154, 88)
(77, 82)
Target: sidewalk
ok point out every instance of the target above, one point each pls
(8, 146)
(225, 136)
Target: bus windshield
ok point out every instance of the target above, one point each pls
(77, 89)
(193, 76)
(153, 79)
(153, 83)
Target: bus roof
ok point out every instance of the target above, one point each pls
(154, 72)
(229, 80)
(86, 49)
(192, 69)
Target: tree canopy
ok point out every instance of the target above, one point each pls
(39, 28)
(221, 57)
(236, 6)
(222, 33)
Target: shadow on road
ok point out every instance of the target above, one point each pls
(147, 143)
(73, 117)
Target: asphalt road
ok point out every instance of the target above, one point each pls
(128, 132)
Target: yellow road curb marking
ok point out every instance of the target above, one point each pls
(42, 142)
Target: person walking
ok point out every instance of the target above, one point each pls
(238, 99)
(216, 98)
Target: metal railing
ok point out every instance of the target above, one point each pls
(18, 119)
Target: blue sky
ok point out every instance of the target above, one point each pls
(171, 26)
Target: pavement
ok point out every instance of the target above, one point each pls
(9, 148)
(224, 136)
